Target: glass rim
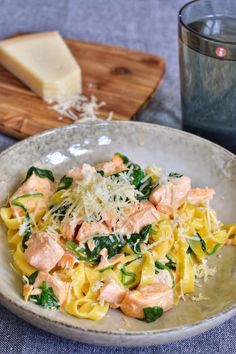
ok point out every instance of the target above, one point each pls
(201, 36)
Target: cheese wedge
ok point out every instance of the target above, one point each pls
(44, 63)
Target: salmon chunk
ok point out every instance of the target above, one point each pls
(33, 184)
(113, 293)
(146, 214)
(164, 277)
(197, 196)
(75, 173)
(43, 251)
(87, 230)
(156, 294)
(170, 196)
(84, 172)
(68, 260)
(68, 228)
(116, 165)
(59, 287)
(108, 262)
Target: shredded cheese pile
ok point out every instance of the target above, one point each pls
(90, 198)
(79, 108)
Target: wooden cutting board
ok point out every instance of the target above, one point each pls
(125, 79)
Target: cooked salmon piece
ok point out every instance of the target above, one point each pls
(33, 184)
(170, 196)
(68, 260)
(156, 294)
(116, 165)
(43, 251)
(59, 287)
(145, 215)
(110, 220)
(68, 228)
(164, 277)
(84, 172)
(113, 293)
(108, 262)
(197, 196)
(87, 230)
(27, 290)
(75, 173)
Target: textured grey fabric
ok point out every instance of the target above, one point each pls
(149, 25)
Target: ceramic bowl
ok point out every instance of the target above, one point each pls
(174, 150)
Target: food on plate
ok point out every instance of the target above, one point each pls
(112, 235)
(44, 63)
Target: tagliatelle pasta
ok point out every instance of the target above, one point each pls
(114, 235)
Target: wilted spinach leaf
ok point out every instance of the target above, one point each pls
(112, 243)
(47, 298)
(123, 157)
(152, 313)
(135, 239)
(130, 275)
(40, 173)
(32, 277)
(60, 212)
(175, 175)
(161, 266)
(65, 183)
(136, 177)
(171, 264)
(100, 172)
(27, 220)
(204, 248)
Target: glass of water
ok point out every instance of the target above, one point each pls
(207, 49)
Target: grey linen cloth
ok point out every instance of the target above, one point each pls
(148, 25)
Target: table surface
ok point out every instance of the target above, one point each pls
(148, 25)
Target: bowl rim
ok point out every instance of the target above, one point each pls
(221, 316)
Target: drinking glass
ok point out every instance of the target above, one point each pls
(207, 51)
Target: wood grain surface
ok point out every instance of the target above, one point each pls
(125, 79)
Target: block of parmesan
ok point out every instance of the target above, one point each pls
(44, 63)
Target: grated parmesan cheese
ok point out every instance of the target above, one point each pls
(95, 195)
(97, 285)
(24, 226)
(79, 108)
(198, 298)
(203, 271)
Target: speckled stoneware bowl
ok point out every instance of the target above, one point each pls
(208, 164)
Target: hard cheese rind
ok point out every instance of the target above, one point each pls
(44, 63)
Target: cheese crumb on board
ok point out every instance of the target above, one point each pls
(44, 63)
(78, 108)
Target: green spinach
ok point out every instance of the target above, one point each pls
(123, 158)
(135, 239)
(61, 211)
(40, 173)
(175, 175)
(100, 172)
(112, 243)
(161, 266)
(47, 298)
(27, 220)
(65, 183)
(151, 314)
(171, 264)
(136, 178)
(32, 277)
(204, 248)
(189, 250)
(130, 275)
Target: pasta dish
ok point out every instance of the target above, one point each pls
(112, 235)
